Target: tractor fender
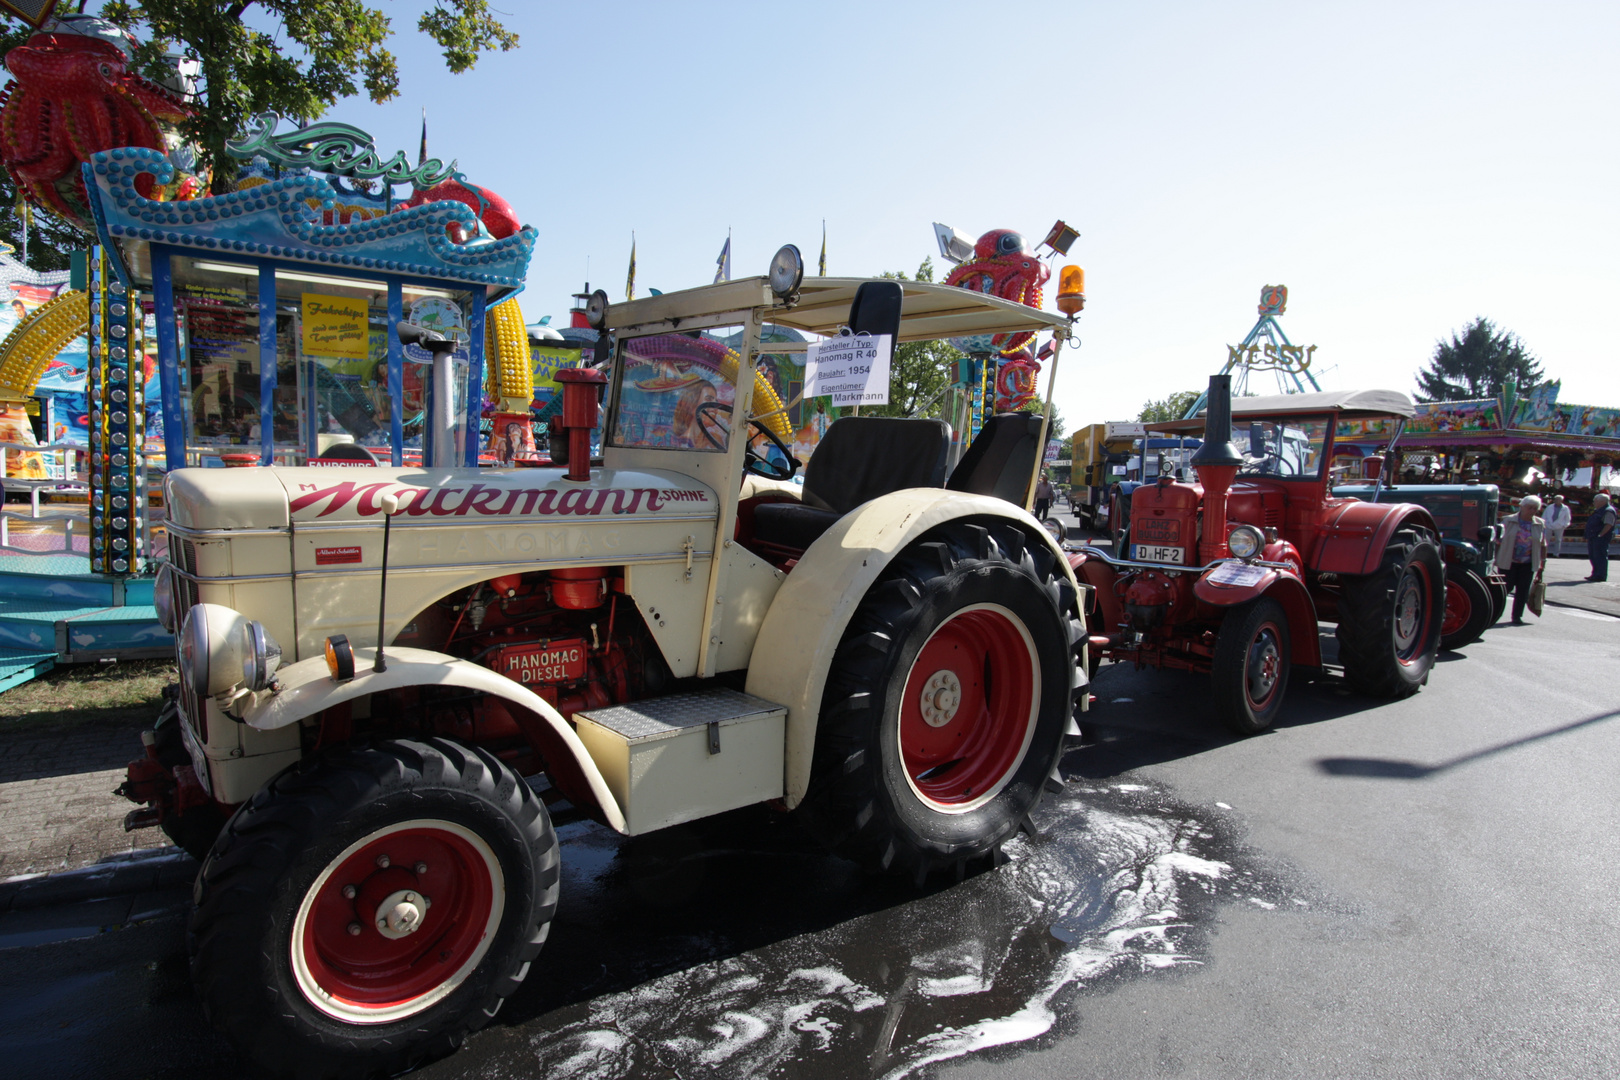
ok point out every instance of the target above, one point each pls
(307, 688)
(1355, 534)
(1305, 649)
(1110, 612)
(796, 641)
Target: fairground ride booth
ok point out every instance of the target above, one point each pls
(277, 305)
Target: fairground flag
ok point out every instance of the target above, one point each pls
(722, 265)
(630, 281)
(823, 272)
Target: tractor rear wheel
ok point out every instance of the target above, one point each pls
(370, 907)
(1251, 664)
(1389, 620)
(1468, 610)
(946, 703)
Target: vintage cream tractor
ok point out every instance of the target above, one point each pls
(396, 681)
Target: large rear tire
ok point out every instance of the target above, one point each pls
(1468, 610)
(1389, 621)
(369, 908)
(946, 703)
(1251, 664)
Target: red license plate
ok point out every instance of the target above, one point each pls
(1157, 531)
(553, 662)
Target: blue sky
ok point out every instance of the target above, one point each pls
(1401, 167)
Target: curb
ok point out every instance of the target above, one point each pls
(149, 870)
(1581, 607)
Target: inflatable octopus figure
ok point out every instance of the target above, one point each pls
(1002, 266)
(74, 96)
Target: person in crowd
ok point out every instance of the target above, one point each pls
(1520, 554)
(1599, 532)
(1044, 493)
(1557, 519)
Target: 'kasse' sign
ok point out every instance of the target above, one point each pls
(852, 370)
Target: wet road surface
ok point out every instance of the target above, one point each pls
(1421, 888)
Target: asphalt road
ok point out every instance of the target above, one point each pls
(1422, 888)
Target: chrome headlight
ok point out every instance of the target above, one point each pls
(1245, 541)
(163, 595)
(261, 655)
(212, 642)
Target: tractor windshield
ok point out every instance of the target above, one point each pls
(675, 392)
(1285, 449)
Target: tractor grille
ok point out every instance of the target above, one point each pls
(184, 555)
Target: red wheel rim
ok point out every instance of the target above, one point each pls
(397, 921)
(1413, 613)
(1458, 609)
(1262, 668)
(969, 708)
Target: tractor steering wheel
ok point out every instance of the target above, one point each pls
(709, 413)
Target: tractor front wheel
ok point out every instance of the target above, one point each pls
(1250, 668)
(946, 703)
(369, 908)
(1389, 620)
(1499, 598)
(1468, 610)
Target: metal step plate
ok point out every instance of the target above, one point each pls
(665, 717)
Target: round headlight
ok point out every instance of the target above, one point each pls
(194, 652)
(261, 655)
(212, 644)
(1245, 541)
(163, 596)
(596, 307)
(787, 271)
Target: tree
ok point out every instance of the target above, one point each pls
(1477, 364)
(314, 57)
(1173, 407)
(920, 370)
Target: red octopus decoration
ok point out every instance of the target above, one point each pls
(75, 96)
(1002, 266)
(494, 212)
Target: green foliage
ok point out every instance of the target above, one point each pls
(1476, 364)
(1173, 407)
(320, 52)
(920, 371)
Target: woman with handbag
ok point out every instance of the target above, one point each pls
(1520, 554)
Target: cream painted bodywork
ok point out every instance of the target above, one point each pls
(794, 649)
(238, 760)
(307, 687)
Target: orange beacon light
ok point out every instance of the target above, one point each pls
(1071, 295)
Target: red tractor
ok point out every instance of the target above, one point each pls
(1232, 574)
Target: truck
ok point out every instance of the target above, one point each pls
(1099, 453)
(1230, 575)
(396, 682)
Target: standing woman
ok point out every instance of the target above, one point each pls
(1519, 555)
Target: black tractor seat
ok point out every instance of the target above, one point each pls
(1001, 460)
(858, 459)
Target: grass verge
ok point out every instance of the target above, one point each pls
(88, 694)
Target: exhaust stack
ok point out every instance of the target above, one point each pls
(1217, 463)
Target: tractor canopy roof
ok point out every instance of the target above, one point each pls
(1348, 404)
(929, 310)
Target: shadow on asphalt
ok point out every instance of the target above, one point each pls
(1391, 769)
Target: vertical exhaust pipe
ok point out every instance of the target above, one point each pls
(1217, 462)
